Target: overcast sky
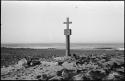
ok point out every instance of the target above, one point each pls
(42, 21)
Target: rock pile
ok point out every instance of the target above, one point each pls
(67, 68)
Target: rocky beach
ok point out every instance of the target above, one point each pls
(94, 65)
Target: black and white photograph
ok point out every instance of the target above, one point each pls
(62, 40)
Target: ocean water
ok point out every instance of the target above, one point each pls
(63, 46)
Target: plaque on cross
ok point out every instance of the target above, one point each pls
(67, 32)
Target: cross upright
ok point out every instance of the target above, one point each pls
(68, 22)
(67, 32)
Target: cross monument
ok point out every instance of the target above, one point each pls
(67, 32)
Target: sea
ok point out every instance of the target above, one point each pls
(119, 46)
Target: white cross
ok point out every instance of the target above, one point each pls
(67, 23)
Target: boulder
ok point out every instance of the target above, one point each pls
(65, 58)
(78, 77)
(21, 63)
(69, 66)
(97, 74)
(56, 78)
(65, 74)
(49, 63)
(33, 62)
(112, 76)
(42, 77)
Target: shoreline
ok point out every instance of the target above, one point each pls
(54, 48)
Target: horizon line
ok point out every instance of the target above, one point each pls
(64, 43)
